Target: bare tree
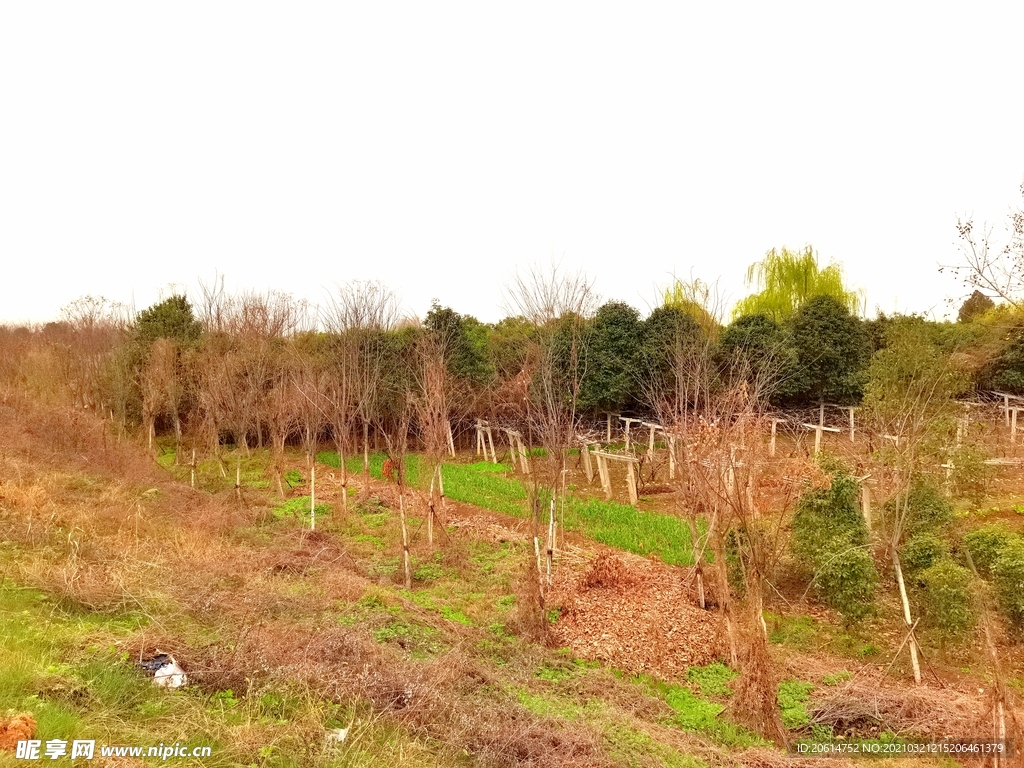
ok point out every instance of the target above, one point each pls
(994, 268)
(431, 403)
(358, 316)
(714, 412)
(560, 305)
(97, 325)
(309, 380)
(909, 402)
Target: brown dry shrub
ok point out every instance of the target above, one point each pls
(870, 702)
(608, 572)
(528, 618)
(755, 703)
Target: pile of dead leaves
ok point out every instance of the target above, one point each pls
(15, 728)
(637, 615)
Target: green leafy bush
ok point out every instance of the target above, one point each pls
(945, 598)
(1008, 574)
(986, 544)
(929, 508)
(970, 475)
(922, 551)
(847, 582)
(830, 539)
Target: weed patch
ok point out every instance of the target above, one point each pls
(793, 697)
(712, 680)
(299, 508)
(698, 715)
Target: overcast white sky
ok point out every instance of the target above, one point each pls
(436, 146)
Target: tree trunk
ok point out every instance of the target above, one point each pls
(366, 459)
(698, 566)
(912, 642)
(724, 600)
(756, 699)
(344, 475)
(405, 541)
(277, 447)
(430, 509)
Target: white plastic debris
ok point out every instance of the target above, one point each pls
(170, 675)
(335, 735)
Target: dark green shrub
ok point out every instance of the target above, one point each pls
(830, 540)
(929, 508)
(826, 514)
(946, 599)
(1008, 575)
(847, 581)
(922, 551)
(986, 544)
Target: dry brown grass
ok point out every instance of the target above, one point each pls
(100, 526)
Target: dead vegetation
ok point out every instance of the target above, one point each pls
(102, 529)
(636, 614)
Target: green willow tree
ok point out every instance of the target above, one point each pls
(699, 300)
(786, 280)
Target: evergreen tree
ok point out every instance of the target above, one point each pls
(613, 354)
(833, 350)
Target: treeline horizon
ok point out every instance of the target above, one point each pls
(816, 345)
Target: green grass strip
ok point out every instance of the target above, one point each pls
(493, 487)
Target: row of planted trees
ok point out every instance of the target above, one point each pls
(263, 369)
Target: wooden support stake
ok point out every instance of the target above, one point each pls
(193, 468)
(631, 482)
(1013, 424)
(771, 445)
(853, 428)
(588, 468)
(650, 444)
(671, 457)
(865, 503)
(606, 482)
(817, 440)
(451, 441)
(366, 448)
(608, 438)
(1006, 408)
(430, 509)
(238, 478)
(490, 440)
